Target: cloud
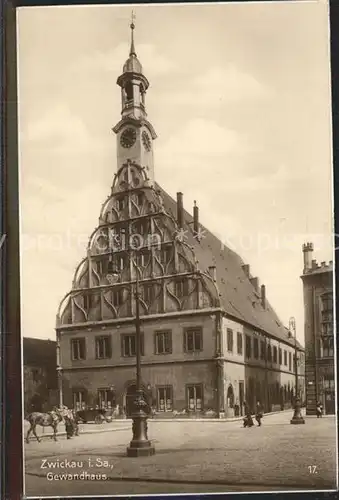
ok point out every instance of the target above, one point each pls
(154, 64)
(218, 86)
(230, 83)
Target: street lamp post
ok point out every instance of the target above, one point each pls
(297, 417)
(140, 446)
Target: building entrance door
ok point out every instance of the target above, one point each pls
(241, 397)
(329, 402)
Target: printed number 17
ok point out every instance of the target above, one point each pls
(312, 469)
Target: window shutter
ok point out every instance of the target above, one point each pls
(155, 343)
(122, 345)
(109, 353)
(184, 341)
(83, 348)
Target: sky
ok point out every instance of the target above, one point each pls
(240, 99)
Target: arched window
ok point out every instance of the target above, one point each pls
(129, 91)
(142, 93)
(230, 396)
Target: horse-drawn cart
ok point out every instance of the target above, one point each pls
(96, 415)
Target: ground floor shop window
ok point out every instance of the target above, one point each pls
(79, 401)
(195, 397)
(165, 398)
(106, 398)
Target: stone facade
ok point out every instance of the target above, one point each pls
(319, 333)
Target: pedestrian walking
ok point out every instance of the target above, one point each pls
(319, 410)
(259, 413)
(248, 421)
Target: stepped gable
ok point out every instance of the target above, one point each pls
(238, 296)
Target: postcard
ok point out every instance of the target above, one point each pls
(176, 249)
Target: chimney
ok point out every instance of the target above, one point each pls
(213, 272)
(255, 283)
(180, 210)
(246, 269)
(263, 296)
(314, 264)
(307, 251)
(323, 264)
(195, 218)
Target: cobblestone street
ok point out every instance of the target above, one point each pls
(190, 457)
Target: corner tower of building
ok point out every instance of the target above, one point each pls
(135, 134)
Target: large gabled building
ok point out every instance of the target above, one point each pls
(210, 338)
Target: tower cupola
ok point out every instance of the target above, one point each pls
(135, 134)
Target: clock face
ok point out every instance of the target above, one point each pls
(128, 138)
(146, 141)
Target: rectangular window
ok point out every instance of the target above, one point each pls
(148, 293)
(256, 348)
(269, 353)
(194, 397)
(120, 203)
(239, 343)
(248, 348)
(143, 258)
(263, 350)
(285, 358)
(163, 342)
(229, 340)
(103, 347)
(328, 347)
(193, 340)
(87, 301)
(140, 199)
(165, 254)
(99, 267)
(289, 361)
(78, 349)
(165, 398)
(280, 356)
(106, 398)
(129, 345)
(181, 288)
(275, 354)
(117, 297)
(79, 402)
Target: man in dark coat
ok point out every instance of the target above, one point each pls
(259, 413)
(248, 421)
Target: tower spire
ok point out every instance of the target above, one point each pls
(132, 26)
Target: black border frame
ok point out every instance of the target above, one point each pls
(10, 378)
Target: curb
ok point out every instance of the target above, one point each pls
(94, 431)
(231, 419)
(89, 431)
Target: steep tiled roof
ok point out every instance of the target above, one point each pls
(238, 296)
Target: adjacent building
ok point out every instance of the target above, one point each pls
(40, 375)
(210, 337)
(319, 332)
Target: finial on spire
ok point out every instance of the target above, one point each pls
(132, 26)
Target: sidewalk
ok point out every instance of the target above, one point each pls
(125, 424)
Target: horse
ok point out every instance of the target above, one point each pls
(49, 419)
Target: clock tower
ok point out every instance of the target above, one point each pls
(135, 134)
